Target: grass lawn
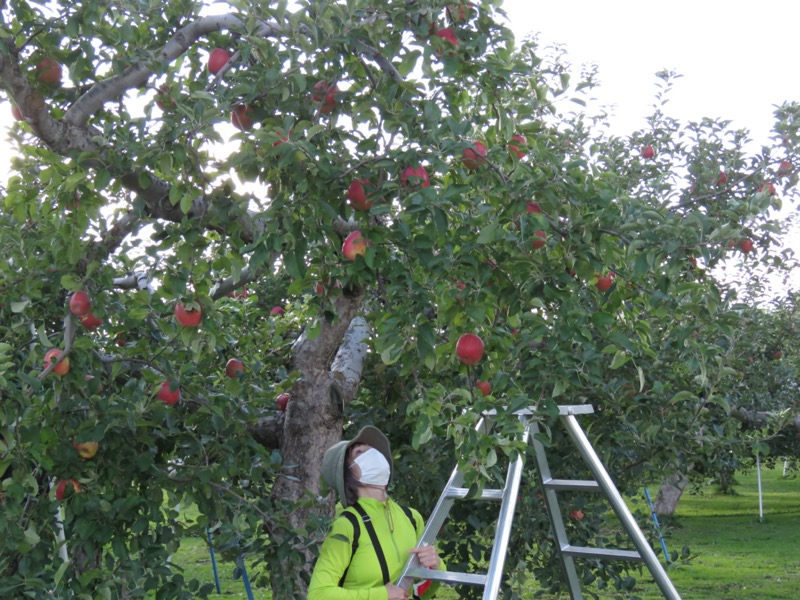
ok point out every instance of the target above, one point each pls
(734, 555)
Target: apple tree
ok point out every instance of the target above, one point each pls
(330, 194)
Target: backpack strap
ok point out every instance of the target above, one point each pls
(375, 542)
(356, 533)
(410, 516)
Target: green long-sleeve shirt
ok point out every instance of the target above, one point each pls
(364, 580)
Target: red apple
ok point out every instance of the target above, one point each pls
(240, 117)
(474, 157)
(354, 245)
(283, 138)
(784, 168)
(80, 304)
(604, 282)
(217, 60)
(325, 92)
(164, 99)
(539, 239)
(776, 355)
(768, 188)
(188, 317)
(277, 311)
(415, 176)
(745, 245)
(576, 515)
(533, 207)
(90, 321)
(648, 152)
(282, 401)
(16, 112)
(485, 387)
(49, 72)
(722, 178)
(86, 450)
(52, 356)
(447, 33)
(167, 394)
(234, 368)
(522, 141)
(357, 194)
(469, 348)
(460, 12)
(61, 488)
(461, 285)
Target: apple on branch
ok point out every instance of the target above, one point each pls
(448, 34)
(474, 157)
(414, 176)
(277, 311)
(241, 117)
(539, 239)
(188, 315)
(648, 152)
(168, 395)
(217, 59)
(49, 72)
(234, 368)
(469, 348)
(485, 387)
(90, 321)
(282, 401)
(80, 304)
(519, 146)
(604, 282)
(52, 356)
(325, 92)
(354, 245)
(16, 112)
(86, 450)
(357, 194)
(63, 485)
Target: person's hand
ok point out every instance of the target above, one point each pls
(427, 556)
(397, 593)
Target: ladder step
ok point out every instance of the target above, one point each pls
(574, 485)
(451, 577)
(607, 553)
(461, 493)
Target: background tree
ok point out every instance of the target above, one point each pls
(583, 262)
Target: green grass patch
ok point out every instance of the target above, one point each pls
(734, 554)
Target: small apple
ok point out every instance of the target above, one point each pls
(234, 368)
(768, 188)
(722, 178)
(576, 515)
(539, 239)
(188, 317)
(461, 285)
(354, 245)
(282, 401)
(604, 282)
(745, 245)
(277, 311)
(518, 148)
(648, 152)
(49, 72)
(447, 33)
(241, 118)
(80, 304)
(283, 138)
(414, 176)
(776, 355)
(533, 207)
(164, 99)
(16, 112)
(469, 348)
(52, 356)
(90, 321)
(460, 12)
(485, 387)
(474, 157)
(61, 488)
(167, 394)
(325, 92)
(784, 168)
(86, 450)
(357, 194)
(217, 60)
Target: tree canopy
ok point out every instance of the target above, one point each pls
(332, 193)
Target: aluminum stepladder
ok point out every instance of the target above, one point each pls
(508, 495)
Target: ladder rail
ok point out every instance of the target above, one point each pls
(602, 477)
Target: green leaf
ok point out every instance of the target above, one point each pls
(488, 233)
(620, 358)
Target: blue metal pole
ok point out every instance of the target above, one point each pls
(245, 578)
(213, 560)
(658, 525)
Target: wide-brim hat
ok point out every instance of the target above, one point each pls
(333, 463)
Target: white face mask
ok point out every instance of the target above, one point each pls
(374, 467)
